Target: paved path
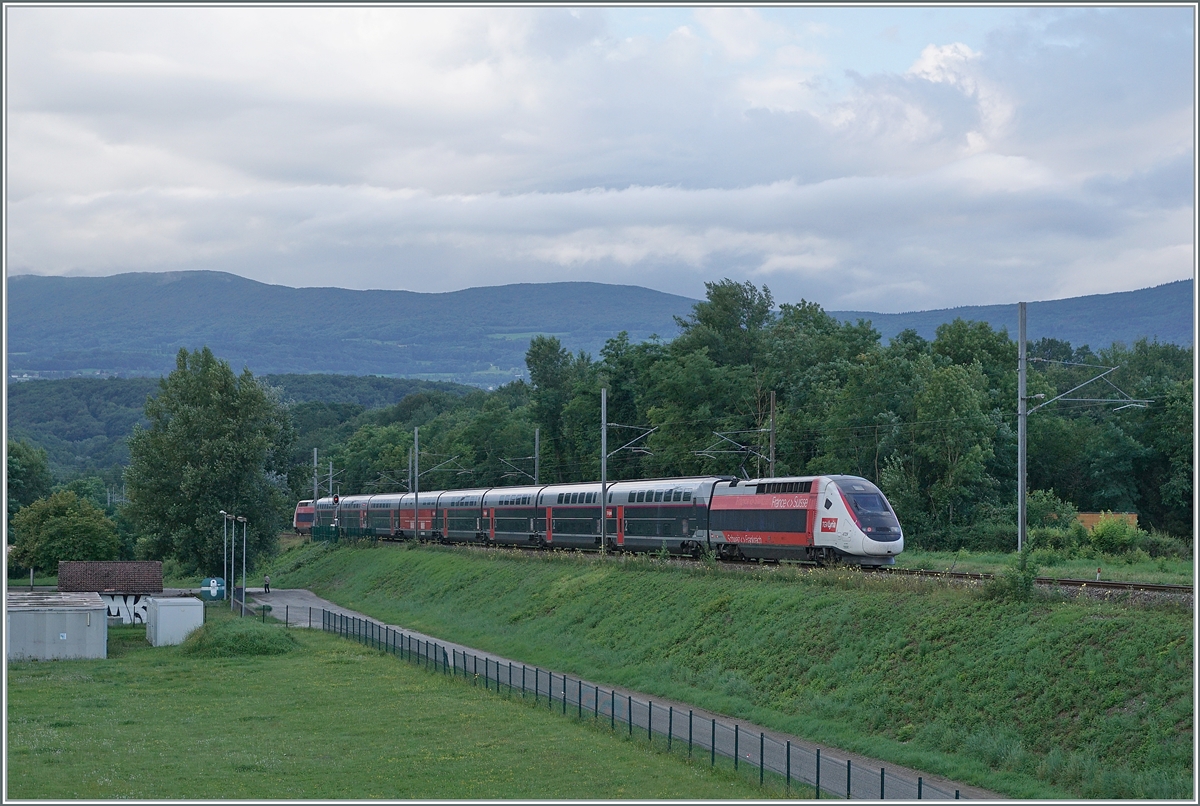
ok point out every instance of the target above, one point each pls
(302, 608)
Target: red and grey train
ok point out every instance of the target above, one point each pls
(821, 519)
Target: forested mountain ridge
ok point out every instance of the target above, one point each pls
(83, 423)
(133, 324)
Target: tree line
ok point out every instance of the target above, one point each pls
(932, 422)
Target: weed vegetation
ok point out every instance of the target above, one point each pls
(1038, 696)
(233, 638)
(331, 719)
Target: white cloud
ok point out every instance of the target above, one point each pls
(433, 148)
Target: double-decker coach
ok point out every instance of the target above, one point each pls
(818, 519)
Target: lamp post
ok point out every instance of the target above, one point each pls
(225, 546)
(243, 521)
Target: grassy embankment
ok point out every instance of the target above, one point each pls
(1116, 568)
(258, 712)
(1040, 698)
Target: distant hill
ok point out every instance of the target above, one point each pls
(83, 422)
(133, 324)
(1164, 312)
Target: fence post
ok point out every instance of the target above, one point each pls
(595, 703)
(787, 780)
(564, 695)
(522, 681)
(761, 745)
(712, 744)
(956, 794)
(847, 779)
(612, 709)
(818, 773)
(670, 726)
(881, 774)
(630, 713)
(919, 782)
(287, 616)
(650, 721)
(510, 678)
(579, 699)
(689, 733)
(735, 745)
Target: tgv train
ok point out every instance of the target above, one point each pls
(821, 519)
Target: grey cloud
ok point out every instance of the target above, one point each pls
(631, 161)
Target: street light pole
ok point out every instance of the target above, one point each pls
(243, 520)
(225, 550)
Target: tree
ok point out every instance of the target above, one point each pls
(730, 322)
(62, 527)
(28, 476)
(216, 441)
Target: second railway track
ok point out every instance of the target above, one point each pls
(1052, 581)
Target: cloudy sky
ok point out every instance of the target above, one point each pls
(873, 159)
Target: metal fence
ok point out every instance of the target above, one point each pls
(708, 736)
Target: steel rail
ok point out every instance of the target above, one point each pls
(1103, 584)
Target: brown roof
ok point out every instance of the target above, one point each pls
(110, 577)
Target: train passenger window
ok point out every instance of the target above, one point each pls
(560, 497)
(658, 496)
(632, 497)
(641, 496)
(687, 496)
(678, 496)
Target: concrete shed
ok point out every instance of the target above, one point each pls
(169, 620)
(56, 626)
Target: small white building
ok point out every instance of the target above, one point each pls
(170, 619)
(44, 625)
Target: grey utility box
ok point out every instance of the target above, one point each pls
(56, 626)
(170, 619)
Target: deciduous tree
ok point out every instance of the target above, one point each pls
(216, 441)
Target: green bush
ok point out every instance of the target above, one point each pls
(1017, 581)
(1159, 545)
(1113, 535)
(237, 638)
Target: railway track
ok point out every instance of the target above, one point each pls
(1052, 581)
(1148, 587)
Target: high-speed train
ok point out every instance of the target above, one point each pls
(820, 519)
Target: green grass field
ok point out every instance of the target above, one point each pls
(328, 719)
(1129, 568)
(1046, 698)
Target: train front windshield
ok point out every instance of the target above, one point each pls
(874, 514)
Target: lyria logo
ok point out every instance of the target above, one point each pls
(828, 524)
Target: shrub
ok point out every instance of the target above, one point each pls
(1044, 508)
(1158, 545)
(1113, 535)
(1017, 581)
(1059, 541)
(237, 637)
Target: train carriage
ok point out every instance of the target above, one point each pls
(821, 519)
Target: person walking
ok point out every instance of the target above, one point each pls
(266, 583)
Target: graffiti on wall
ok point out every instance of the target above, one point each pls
(130, 607)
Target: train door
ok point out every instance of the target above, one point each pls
(620, 525)
(549, 525)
